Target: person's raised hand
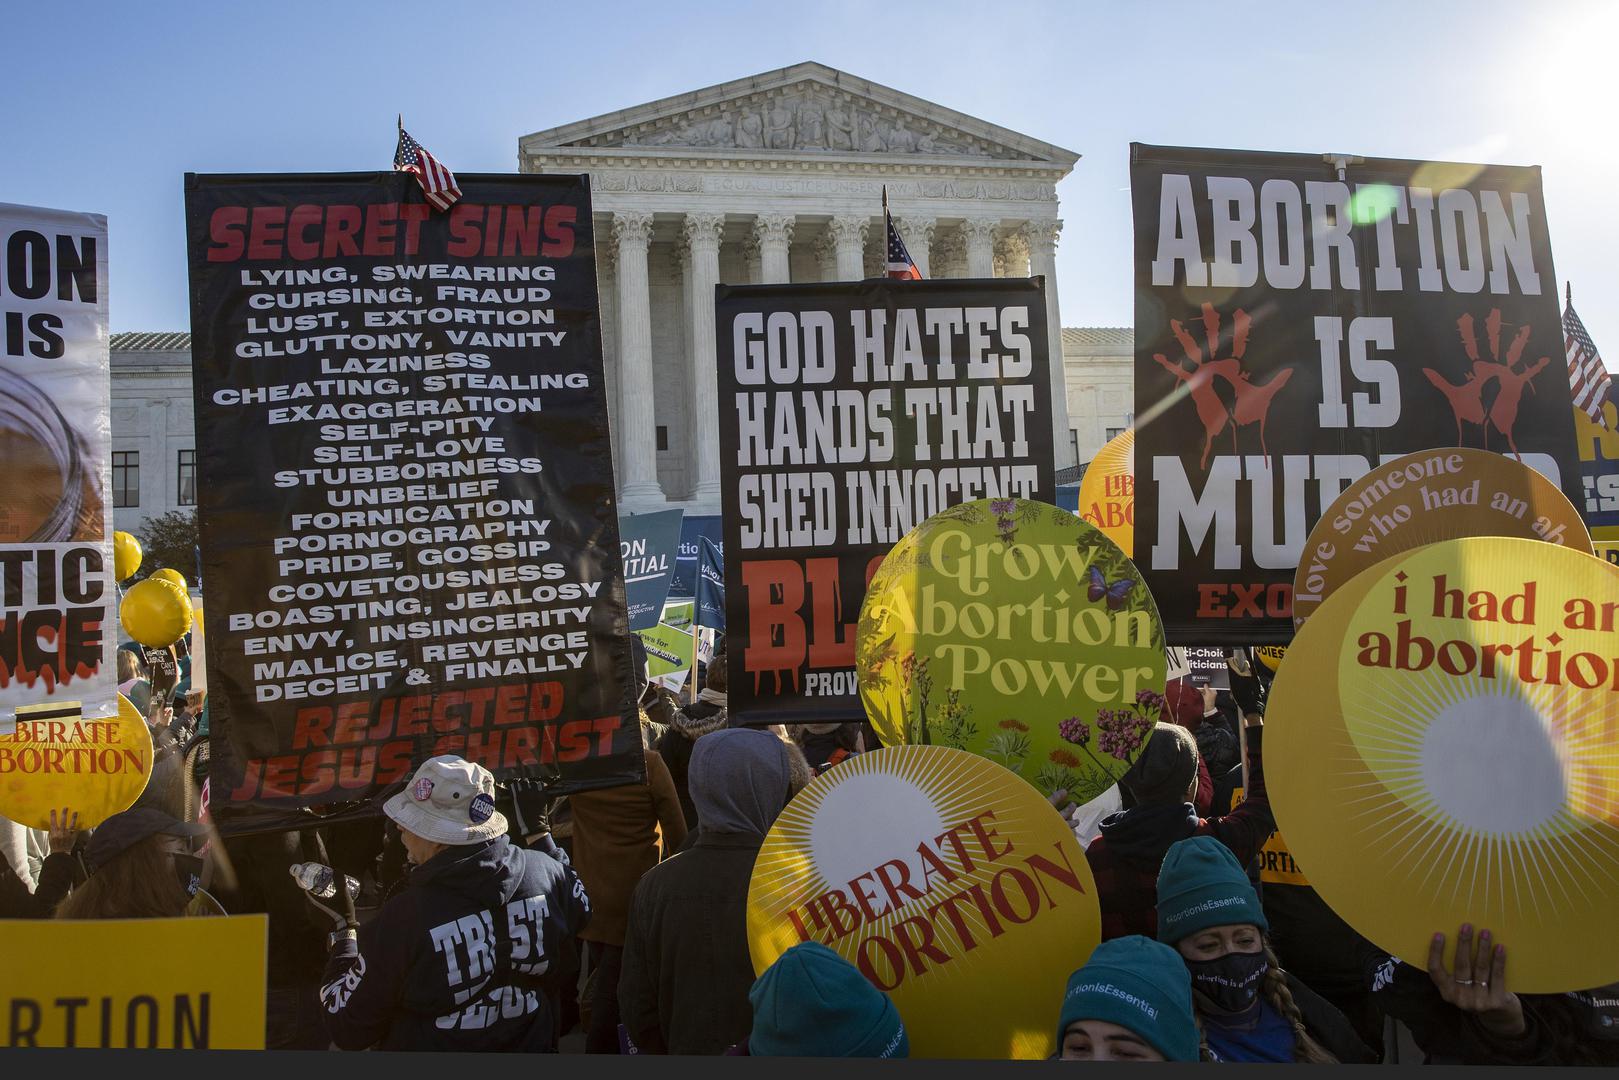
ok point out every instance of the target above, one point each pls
(1479, 983)
(337, 908)
(159, 714)
(64, 831)
(1246, 689)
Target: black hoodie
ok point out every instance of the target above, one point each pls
(456, 960)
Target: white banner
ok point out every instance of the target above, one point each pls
(59, 639)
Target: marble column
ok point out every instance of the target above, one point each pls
(1041, 237)
(702, 235)
(950, 255)
(849, 234)
(632, 231)
(774, 235)
(826, 255)
(1014, 255)
(980, 235)
(917, 232)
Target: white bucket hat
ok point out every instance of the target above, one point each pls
(449, 801)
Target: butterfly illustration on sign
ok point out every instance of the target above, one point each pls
(1116, 593)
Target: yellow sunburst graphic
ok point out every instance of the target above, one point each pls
(950, 882)
(1444, 749)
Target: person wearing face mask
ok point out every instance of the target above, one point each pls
(457, 959)
(1132, 1001)
(1248, 1007)
(142, 866)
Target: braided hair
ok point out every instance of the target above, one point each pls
(1274, 989)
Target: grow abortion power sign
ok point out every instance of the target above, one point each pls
(950, 883)
(1014, 629)
(1300, 321)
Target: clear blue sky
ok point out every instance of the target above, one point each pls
(109, 104)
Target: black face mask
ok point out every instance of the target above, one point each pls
(188, 871)
(1232, 982)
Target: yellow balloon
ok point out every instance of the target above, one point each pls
(156, 612)
(168, 574)
(1270, 655)
(95, 767)
(126, 555)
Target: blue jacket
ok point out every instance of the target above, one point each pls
(457, 960)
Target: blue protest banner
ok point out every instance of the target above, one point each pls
(692, 529)
(710, 585)
(649, 543)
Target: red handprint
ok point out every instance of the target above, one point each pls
(1252, 401)
(1467, 399)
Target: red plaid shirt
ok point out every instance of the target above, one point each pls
(1128, 891)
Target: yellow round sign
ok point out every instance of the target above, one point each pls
(57, 759)
(1107, 494)
(1424, 498)
(1270, 655)
(1442, 753)
(950, 883)
(1015, 630)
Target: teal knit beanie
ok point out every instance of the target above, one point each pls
(813, 1003)
(1140, 985)
(1200, 885)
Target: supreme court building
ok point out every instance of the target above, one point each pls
(773, 178)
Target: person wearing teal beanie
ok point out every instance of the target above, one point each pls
(1249, 1008)
(1132, 1001)
(813, 1003)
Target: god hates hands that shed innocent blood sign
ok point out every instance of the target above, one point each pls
(950, 883)
(849, 412)
(1304, 318)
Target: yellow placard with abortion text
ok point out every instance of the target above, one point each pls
(1445, 750)
(951, 884)
(1423, 498)
(1107, 494)
(134, 983)
(56, 758)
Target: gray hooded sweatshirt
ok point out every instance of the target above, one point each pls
(687, 972)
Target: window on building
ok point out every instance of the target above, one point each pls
(663, 437)
(1073, 442)
(186, 481)
(126, 478)
(1114, 432)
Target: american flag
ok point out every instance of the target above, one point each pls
(438, 183)
(1588, 379)
(900, 263)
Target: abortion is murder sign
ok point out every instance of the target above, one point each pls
(1302, 319)
(849, 413)
(406, 495)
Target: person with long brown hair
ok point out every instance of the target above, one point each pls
(1247, 1006)
(141, 867)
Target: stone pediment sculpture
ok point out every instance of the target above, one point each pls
(805, 108)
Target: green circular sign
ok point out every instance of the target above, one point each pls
(1015, 630)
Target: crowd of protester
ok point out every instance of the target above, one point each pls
(494, 917)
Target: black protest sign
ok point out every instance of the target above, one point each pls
(406, 488)
(1302, 319)
(850, 413)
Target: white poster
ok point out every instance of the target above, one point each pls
(57, 597)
